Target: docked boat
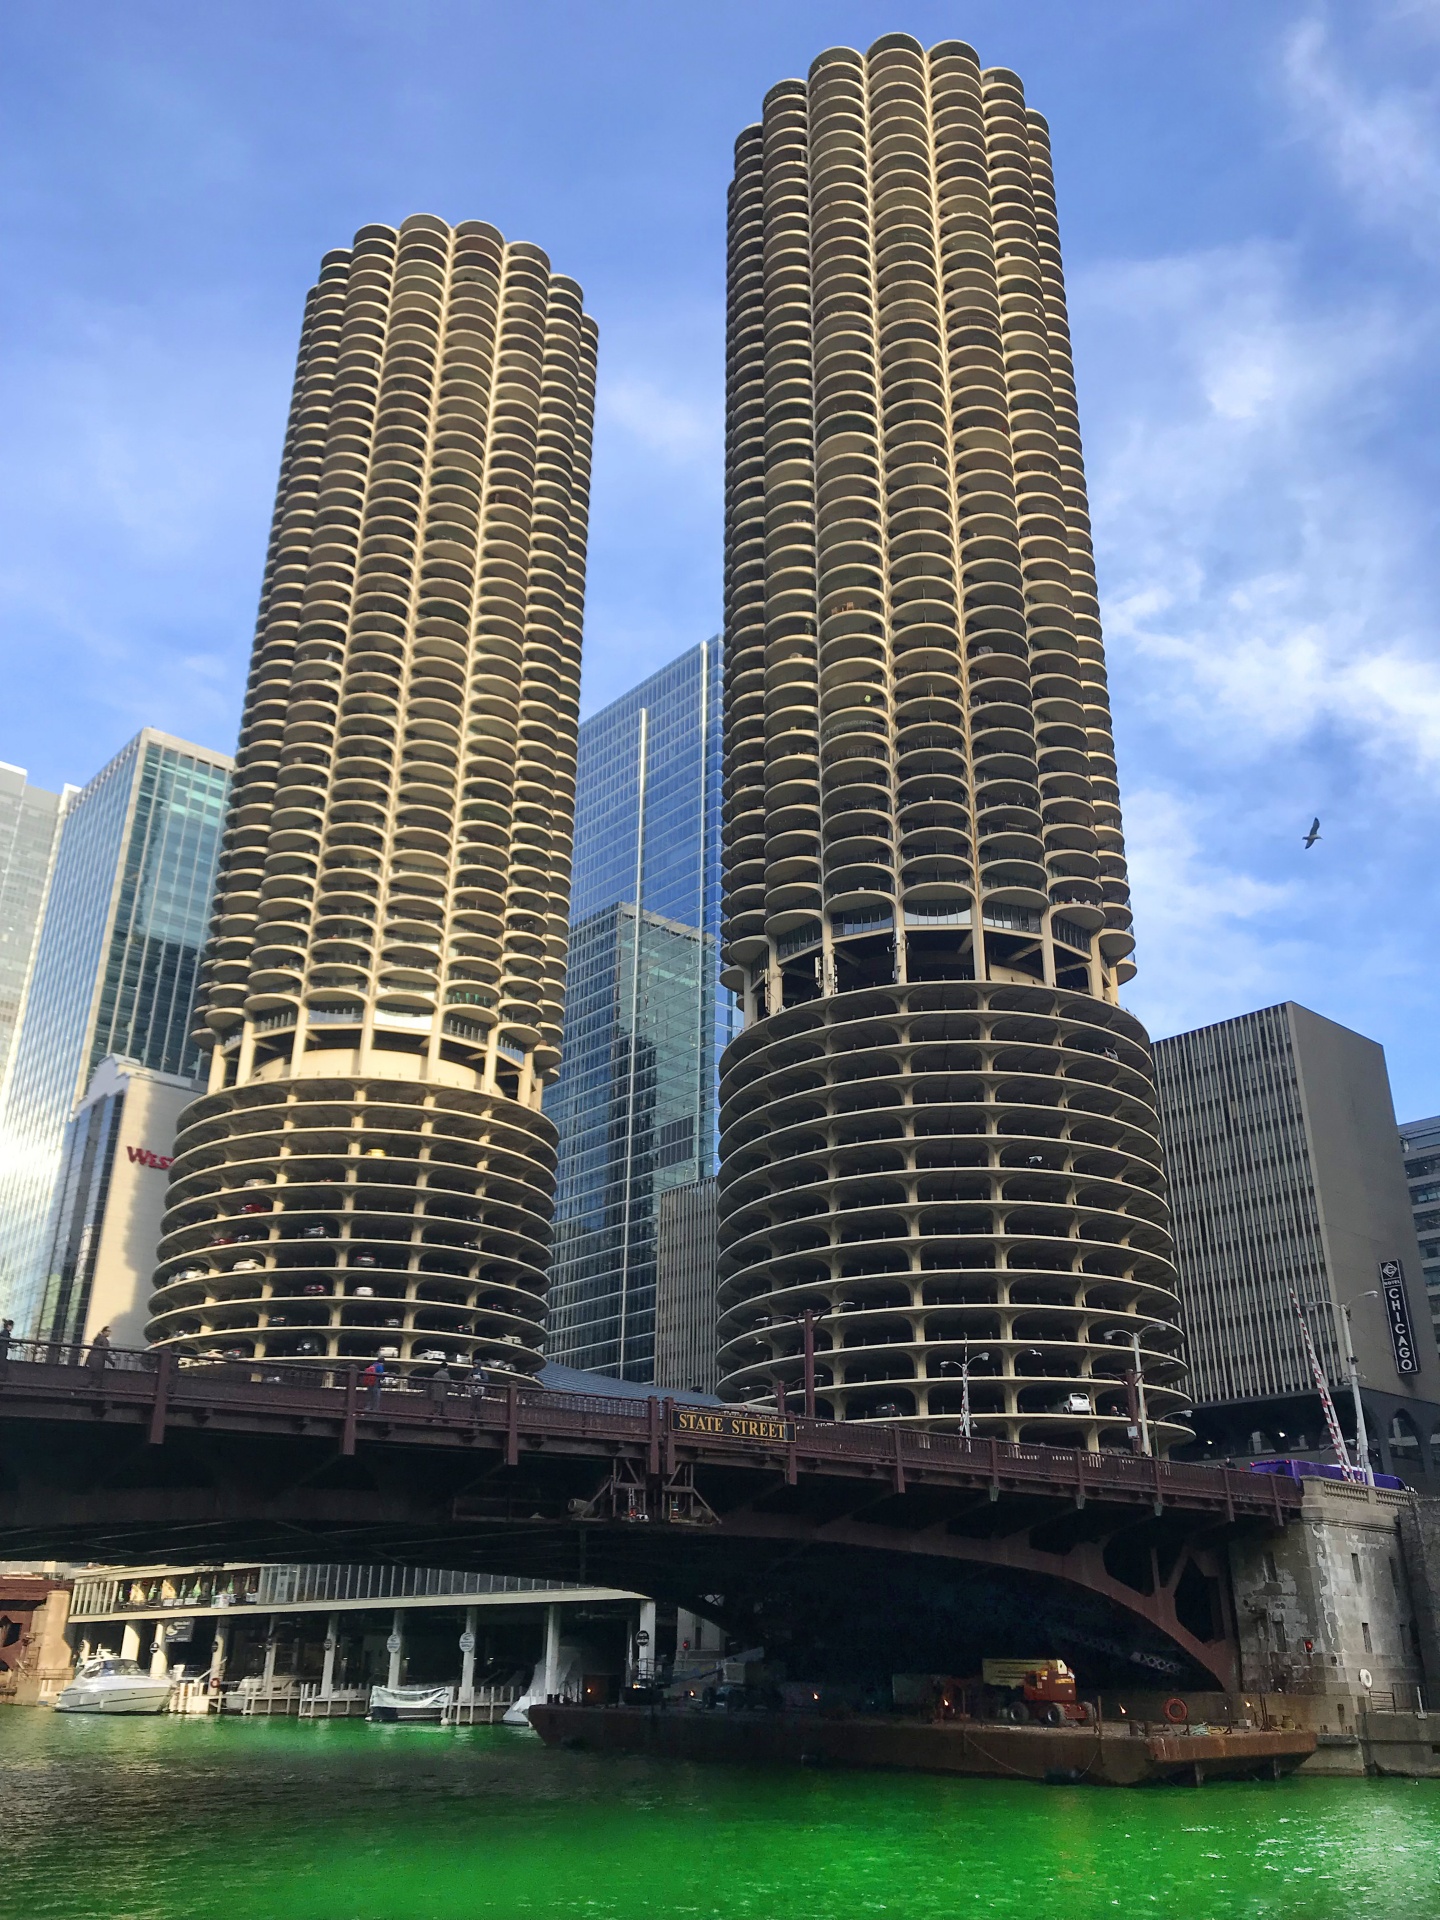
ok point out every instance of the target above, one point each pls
(1122, 1756)
(410, 1703)
(108, 1684)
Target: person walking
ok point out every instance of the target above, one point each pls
(440, 1382)
(7, 1334)
(374, 1378)
(475, 1384)
(100, 1357)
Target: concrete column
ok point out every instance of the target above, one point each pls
(130, 1641)
(686, 1628)
(552, 1650)
(159, 1665)
(396, 1648)
(219, 1653)
(645, 1642)
(467, 1654)
(267, 1679)
(332, 1640)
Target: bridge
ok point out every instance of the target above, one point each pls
(837, 1541)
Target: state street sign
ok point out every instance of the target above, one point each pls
(1397, 1315)
(720, 1423)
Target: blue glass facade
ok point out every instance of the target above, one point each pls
(29, 827)
(645, 1016)
(114, 973)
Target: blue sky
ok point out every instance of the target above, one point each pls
(1250, 206)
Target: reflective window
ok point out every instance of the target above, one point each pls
(646, 1018)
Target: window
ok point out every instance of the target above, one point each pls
(1365, 1635)
(1271, 1570)
(1355, 1567)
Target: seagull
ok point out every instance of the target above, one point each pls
(1314, 834)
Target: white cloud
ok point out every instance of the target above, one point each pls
(1265, 575)
(662, 420)
(1382, 143)
(1265, 530)
(1190, 903)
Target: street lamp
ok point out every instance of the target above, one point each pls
(1137, 1377)
(949, 1366)
(1362, 1438)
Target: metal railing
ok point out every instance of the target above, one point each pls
(163, 1384)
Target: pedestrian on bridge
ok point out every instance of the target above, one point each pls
(7, 1334)
(374, 1378)
(475, 1385)
(100, 1356)
(440, 1382)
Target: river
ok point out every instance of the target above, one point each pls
(194, 1819)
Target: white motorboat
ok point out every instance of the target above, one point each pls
(108, 1684)
(568, 1684)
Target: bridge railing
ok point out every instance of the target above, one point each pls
(518, 1406)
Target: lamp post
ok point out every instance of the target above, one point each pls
(950, 1366)
(1362, 1438)
(1135, 1381)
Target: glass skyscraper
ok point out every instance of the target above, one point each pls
(646, 1017)
(29, 827)
(114, 972)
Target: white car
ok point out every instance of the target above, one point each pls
(247, 1266)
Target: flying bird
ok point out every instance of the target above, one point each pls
(1314, 834)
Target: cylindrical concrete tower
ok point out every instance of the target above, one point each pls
(370, 1171)
(938, 1127)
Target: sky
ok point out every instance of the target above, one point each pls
(1250, 211)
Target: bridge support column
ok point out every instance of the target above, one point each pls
(552, 1651)
(645, 1643)
(219, 1653)
(130, 1641)
(332, 1641)
(467, 1654)
(159, 1665)
(396, 1648)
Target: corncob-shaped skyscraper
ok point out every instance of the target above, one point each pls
(938, 1129)
(370, 1171)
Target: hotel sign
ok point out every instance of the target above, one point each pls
(1397, 1315)
(720, 1423)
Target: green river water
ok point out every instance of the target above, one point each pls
(189, 1819)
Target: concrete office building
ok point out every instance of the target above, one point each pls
(1420, 1155)
(383, 984)
(109, 1203)
(29, 831)
(938, 1128)
(1280, 1148)
(115, 971)
(646, 1016)
(685, 1260)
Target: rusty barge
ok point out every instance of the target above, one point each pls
(1117, 1756)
